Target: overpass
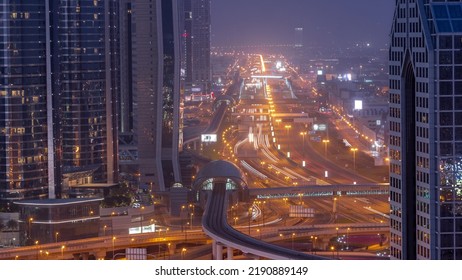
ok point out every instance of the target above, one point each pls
(219, 179)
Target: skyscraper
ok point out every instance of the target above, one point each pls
(199, 59)
(425, 65)
(156, 92)
(85, 85)
(59, 83)
(24, 146)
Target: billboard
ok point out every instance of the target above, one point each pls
(208, 138)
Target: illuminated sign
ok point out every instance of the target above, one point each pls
(208, 138)
(358, 104)
(319, 127)
(144, 229)
(319, 72)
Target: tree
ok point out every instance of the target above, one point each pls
(2, 226)
(12, 224)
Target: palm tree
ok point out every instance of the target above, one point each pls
(12, 224)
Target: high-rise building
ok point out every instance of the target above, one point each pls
(59, 82)
(156, 96)
(199, 61)
(425, 66)
(24, 146)
(85, 86)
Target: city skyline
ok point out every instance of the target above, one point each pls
(266, 129)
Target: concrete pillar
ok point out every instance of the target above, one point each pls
(214, 250)
(219, 251)
(84, 256)
(229, 253)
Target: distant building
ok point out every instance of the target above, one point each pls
(425, 66)
(298, 40)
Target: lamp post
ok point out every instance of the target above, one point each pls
(36, 245)
(104, 230)
(62, 251)
(183, 253)
(325, 141)
(141, 219)
(303, 134)
(354, 150)
(56, 237)
(348, 230)
(293, 235)
(288, 127)
(30, 227)
(113, 240)
(191, 223)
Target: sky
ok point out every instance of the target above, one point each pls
(325, 22)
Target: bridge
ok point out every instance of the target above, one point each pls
(219, 179)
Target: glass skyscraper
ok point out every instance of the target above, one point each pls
(425, 65)
(23, 100)
(59, 71)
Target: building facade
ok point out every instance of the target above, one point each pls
(23, 100)
(157, 123)
(425, 66)
(200, 45)
(59, 82)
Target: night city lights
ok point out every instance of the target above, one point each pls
(184, 134)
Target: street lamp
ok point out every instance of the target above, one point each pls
(288, 127)
(293, 235)
(303, 134)
(325, 141)
(56, 237)
(348, 230)
(104, 230)
(354, 150)
(141, 219)
(113, 240)
(183, 253)
(30, 226)
(191, 223)
(62, 251)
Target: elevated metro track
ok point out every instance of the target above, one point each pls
(215, 225)
(321, 191)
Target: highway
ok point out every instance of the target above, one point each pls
(214, 223)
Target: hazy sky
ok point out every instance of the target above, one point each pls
(246, 22)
